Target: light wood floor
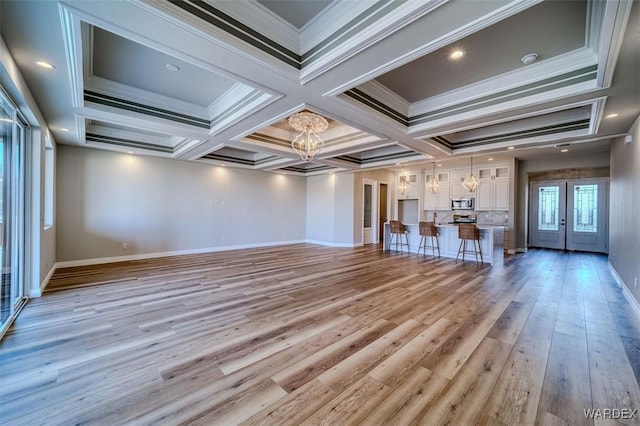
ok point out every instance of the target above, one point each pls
(308, 334)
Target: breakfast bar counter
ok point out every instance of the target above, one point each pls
(491, 241)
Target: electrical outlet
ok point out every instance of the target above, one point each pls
(125, 246)
(635, 282)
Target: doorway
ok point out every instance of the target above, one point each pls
(383, 210)
(369, 201)
(570, 215)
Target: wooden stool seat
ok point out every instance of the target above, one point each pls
(428, 229)
(469, 232)
(398, 229)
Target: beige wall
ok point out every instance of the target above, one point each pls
(624, 229)
(156, 205)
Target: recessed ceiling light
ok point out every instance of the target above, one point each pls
(397, 164)
(46, 65)
(529, 58)
(63, 129)
(564, 150)
(612, 115)
(490, 159)
(456, 54)
(172, 67)
(129, 152)
(511, 147)
(439, 165)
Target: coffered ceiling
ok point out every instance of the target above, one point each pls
(215, 81)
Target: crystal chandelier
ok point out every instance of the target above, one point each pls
(471, 183)
(434, 183)
(403, 186)
(308, 143)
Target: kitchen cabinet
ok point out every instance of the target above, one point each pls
(441, 200)
(493, 192)
(456, 188)
(414, 190)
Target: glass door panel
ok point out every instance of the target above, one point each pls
(12, 164)
(587, 221)
(548, 214)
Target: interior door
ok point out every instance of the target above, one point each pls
(587, 217)
(548, 214)
(369, 202)
(382, 211)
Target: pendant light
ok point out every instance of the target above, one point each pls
(434, 183)
(471, 183)
(404, 185)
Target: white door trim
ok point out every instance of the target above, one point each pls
(374, 209)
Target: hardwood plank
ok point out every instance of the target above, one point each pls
(302, 333)
(565, 392)
(409, 400)
(462, 400)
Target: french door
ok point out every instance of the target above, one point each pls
(570, 214)
(12, 212)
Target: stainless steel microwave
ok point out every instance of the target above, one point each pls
(467, 203)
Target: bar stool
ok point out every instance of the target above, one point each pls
(397, 230)
(469, 232)
(428, 229)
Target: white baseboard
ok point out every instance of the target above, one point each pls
(625, 290)
(38, 292)
(113, 259)
(332, 244)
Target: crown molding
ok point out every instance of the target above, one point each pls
(387, 96)
(614, 23)
(571, 61)
(134, 94)
(329, 21)
(218, 37)
(262, 20)
(597, 103)
(512, 8)
(331, 54)
(72, 35)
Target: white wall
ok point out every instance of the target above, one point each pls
(156, 205)
(344, 200)
(320, 208)
(330, 201)
(624, 229)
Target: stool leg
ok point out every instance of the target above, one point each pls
(406, 237)
(420, 245)
(480, 250)
(475, 250)
(459, 250)
(438, 246)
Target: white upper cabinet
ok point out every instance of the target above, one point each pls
(412, 178)
(457, 190)
(441, 200)
(493, 192)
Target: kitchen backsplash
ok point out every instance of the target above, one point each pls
(484, 218)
